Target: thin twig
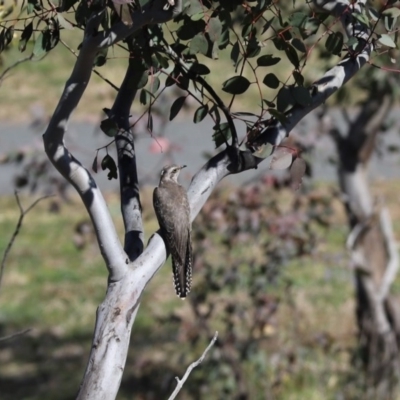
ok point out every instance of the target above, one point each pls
(14, 335)
(186, 69)
(191, 367)
(8, 69)
(17, 229)
(94, 70)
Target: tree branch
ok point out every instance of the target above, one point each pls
(72, 170)
(275, 131)
(392, 266)
(17, 229)
(131, 207)
(14, 335)
(185, 68)
(191, 368)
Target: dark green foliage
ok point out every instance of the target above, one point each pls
(236, 85)
(222, 134)
(109, 163)
(200, 114)
(6, 37)
(25, 36)
(109, 127)
(176, 107)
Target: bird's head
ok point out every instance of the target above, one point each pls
(171, 173)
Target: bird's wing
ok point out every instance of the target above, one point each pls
(177, 233)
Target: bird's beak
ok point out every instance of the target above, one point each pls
(183, 166)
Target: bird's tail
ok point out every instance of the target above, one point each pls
(182, 273)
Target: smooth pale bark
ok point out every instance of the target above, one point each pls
(130, 268)
(372, 245)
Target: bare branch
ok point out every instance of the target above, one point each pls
(17, 229)
(8, 69)
(131, 207)
(72, 170)
(14, 335)
(191, 367)
(393, 254)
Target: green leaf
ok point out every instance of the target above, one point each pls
(361, 18)
(352, 43)
(387, 41)
(267, 60)
(38, 49)
(199, 44)
(236, 85)
(298, 77)
(285, 99)
(150, 123)
(214, 29)
(192, 8)
(334, 43)
(190, 29)
(162, 60)
(101, 58)
(25, 36)
(109, 127)
(298, 19)
(200, 114)
(94, 164)
(269, 103)
(6, 37)
(222, 134)
(47, 39)
(176, 107)
(235, 53)
(142, 78)
(200, 69)
(292, 55)
(299, 45)
(155, 85)
(145, 97)
(271, 81)
(302, 96)
(109, 163)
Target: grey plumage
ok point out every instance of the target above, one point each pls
(172, 209)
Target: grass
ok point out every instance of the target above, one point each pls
(54, 288)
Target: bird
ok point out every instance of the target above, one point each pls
(172, 209)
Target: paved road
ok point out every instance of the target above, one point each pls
(190, 140)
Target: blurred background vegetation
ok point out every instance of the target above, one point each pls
(271, 275)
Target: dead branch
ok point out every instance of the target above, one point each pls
(191, 368)
(17, 229)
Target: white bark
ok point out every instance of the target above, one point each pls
(129, 273)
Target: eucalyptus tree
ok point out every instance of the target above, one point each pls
(182, 43)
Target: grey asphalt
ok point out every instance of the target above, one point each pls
(190, 144)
